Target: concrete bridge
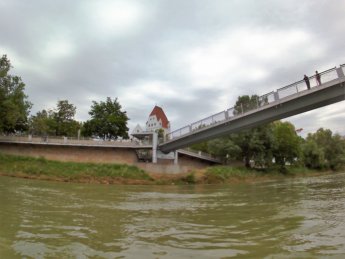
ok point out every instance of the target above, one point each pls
(287, 101)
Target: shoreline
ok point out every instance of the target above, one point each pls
(178, 179)
(122, 174)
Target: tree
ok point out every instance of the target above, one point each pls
(107, 120)
(245, 103)
(313, 155)
(43, 123)
(261, 145)
(255, 145)
(224, 148)
(332, 146)
(201, 146)
(59, 121)
(14, 104)
(63, 115)
(160, 134)
(5, 66)
(286, 145)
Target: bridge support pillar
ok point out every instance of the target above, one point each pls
(175, 157)
(154, 147)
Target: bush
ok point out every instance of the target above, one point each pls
(190, 178)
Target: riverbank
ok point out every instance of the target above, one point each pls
(40, 168)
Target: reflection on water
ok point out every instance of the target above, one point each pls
(298, 218)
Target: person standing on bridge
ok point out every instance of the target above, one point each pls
(318, 78)
(306, 79)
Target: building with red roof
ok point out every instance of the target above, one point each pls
(158, 120)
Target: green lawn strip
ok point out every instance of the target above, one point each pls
(39, 166)
(222, 173)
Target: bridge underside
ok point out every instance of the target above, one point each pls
(329, 93)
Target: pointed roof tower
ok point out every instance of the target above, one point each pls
(160, 115)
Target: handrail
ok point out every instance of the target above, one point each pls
(275, 95)
(71, 141)
(288, 86)
(309, 77)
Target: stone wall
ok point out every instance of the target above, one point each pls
(193, 162)
(72, 153)
(103, 154)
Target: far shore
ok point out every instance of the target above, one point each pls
(42, 169)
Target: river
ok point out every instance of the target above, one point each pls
(290, 218)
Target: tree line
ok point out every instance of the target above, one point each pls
(107, 121)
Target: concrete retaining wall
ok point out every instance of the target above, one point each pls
(116, 155)
(72, 153)
(164, 168)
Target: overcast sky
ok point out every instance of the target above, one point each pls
(191, 57)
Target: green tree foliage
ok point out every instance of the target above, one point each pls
(313, 155)
(59, 121)
(14, 104)
(331, 148)
(224, 148)
(286, 145)
(246, 103)
(43, 123)
(107, 120)
(201, 146)
(255, 145)
(261, 142)
(63, 115)
(160, 133)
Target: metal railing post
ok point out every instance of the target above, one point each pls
(340, 72)
(276, 96)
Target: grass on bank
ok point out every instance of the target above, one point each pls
(220, 174)
(70, 171)
(41, 168)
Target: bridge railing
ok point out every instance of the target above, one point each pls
(72, 141)
(180, 132)
(200, 153)
(300, 86)
(283, 92)
(265, 99)
(211, 120)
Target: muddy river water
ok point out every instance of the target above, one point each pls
(290, 218)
